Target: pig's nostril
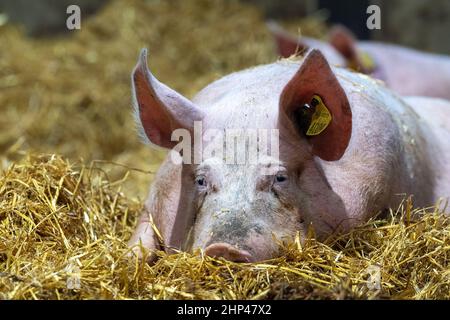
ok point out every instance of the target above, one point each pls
(228, 252)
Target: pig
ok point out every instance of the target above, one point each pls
(404, 70)
(287, 45)
(374, 149)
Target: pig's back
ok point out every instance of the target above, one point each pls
(410, 72)
(435, 114)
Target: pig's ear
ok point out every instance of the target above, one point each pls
(314, 106)
(343, 40)
(286, 43)
(160, 110)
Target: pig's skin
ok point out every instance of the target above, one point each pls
(408, 71)
(397, 147)
(434, 113)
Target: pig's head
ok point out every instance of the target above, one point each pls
(242, 211)
(287, 45)
(339, 49)
(343, 40)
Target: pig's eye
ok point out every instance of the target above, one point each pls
(200, 181)
(280, 177)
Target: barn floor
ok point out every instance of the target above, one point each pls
(65, 215)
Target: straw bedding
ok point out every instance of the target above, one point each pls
(64, 229)
(65, 219)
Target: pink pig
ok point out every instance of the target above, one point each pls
(404, 70)
(376, 148)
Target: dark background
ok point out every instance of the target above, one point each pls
(417, 23)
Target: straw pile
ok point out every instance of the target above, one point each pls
(64, 227)
(64, 221)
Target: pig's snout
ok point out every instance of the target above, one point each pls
(228, 252)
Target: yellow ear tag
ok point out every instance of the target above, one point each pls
(320, 119)
(367, 61)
